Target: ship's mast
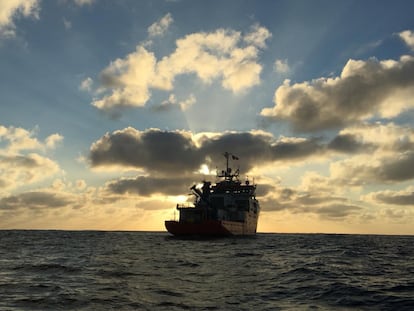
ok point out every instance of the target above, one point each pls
(227, 174)
(227, 155)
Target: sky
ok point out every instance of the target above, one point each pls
(111, 110)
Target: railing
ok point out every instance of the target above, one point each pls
(185, 205)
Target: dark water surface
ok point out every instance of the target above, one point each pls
(63, 270)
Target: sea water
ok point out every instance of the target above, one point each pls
(64, 270)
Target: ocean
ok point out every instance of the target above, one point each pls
(96, 270)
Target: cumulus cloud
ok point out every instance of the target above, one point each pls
(161, 26)
(128, 81)
(363, 170)
(19, 165)
(224, 55)
(376, 154)
(408, 37)
(52, 140)
(18, 170)
(154, 150)
(364, 89)
(258, 36)
(388, 138)
(297, 200)
(60, 195)
(385, 139)
(178, 152)
(171, 173)
(387, 156)
(17, 139)
(12, 9)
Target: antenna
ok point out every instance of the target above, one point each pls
(227, 174)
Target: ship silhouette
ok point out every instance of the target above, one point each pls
(228, 207)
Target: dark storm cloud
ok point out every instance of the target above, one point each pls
(34, 200)
(146, 186)
(363, 90)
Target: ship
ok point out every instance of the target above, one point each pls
(228, 207)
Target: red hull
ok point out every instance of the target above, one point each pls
(209, 228)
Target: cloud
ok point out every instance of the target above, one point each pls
(52, 140)
(154, 150)
(367, 154)
(387, 155)
(18, 139)
(20, 167)
(258, 36)
(256, 148)
(387, 138)
(337, 211)
(399, 216)
(128, 81)
(34, 200)
(147, 186)
(178, 152)
(347, 143)
(86, 84)
(173, 103)
(378, 154)
(60, 195)
(172, 172)
(408, 37)
(161, 26)
(281, 66)
(12, 9)
(187, 103)
(84, 2)
(18, 170)
(402, 197)
(365, 89)
(67, 24)
(223, 55)
(297, 200)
